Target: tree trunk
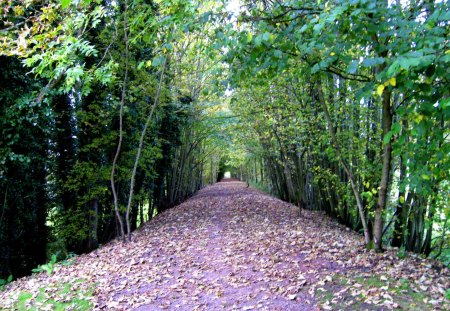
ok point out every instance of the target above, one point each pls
(384, 183)
(139, 151)
(119, 145)
(93, 223)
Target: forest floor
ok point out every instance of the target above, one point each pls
(234, 248)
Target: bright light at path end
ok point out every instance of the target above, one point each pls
(227, 175)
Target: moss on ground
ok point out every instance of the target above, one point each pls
(378, 292)
(64, 296)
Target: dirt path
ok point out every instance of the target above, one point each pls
(233, 248)
(226, 248)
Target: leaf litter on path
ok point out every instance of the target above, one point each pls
(234, 248)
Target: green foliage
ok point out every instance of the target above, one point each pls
(360, 52)
(399, 292)
(48, 267)
(63, 296)
(22, 300)
(3, 282)
(65, 3)
(24, 132)
(401, 253)
(57, 247)
(260, 186)
(371, 245)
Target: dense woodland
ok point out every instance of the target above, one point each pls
(114, 111)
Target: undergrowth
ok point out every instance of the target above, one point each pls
(64, 296)
(368, 293)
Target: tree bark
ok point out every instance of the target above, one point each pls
(402, 206)
(384, 183)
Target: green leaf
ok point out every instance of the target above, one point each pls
(407, 63)
(303, 29)
(317, 28)
(249, 37)
(371, 62)
(396, 127)
(65, 3)
(278, 53)
(445, 102)
(258, 40)
(158, 60)
(425, 177)
(367, 194)
(387, 137)
(353, 67)
(394, 69)
(315, 68)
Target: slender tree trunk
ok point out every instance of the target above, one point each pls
(93, 223)
(384, 183)
(286, 169)
(119, 145)
(255, 171)
(402, 207)
(211, 179)
(179, 180)
(443, 235)
(261, 168)
(174, 175)
(139, 151)
(344, 163)
(426, 246)
(141, 212)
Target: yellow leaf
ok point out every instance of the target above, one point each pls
(393, 81)
(419, 118)
(332, 53)
(401, 199)
(249, 37)
(380, 89)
